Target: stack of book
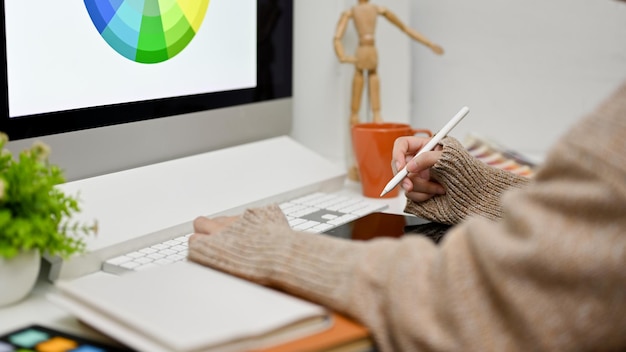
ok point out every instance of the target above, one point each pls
(187, 307)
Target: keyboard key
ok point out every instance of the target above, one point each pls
(135, 254)
(167, 252)
(120, 260)
(130, 265)
(321, 228)
(306, 225)
(155, 256)
(293, 222)
(143, 260)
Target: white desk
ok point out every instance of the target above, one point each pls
(35, 309)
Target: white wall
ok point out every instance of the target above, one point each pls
(527, 69)
(322, 86)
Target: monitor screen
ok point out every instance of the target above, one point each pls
(114, 84)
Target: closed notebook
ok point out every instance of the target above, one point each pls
(188, 307)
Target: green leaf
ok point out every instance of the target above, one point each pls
(32, 208)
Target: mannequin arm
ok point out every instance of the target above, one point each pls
(391, 17)
(339, 33)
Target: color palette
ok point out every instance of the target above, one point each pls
(147, 31)
(37, 338)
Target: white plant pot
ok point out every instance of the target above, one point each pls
(18, 276)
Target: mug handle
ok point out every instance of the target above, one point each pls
(415, 131)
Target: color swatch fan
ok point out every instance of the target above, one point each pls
(496, 155)
(147, 31)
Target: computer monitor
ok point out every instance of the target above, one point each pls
(116, 84)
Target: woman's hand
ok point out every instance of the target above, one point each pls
(418, 186)
(205, 226)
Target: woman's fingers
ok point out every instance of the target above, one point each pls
(423, 161)
(204, 225)
(418, 185)
(404, 148)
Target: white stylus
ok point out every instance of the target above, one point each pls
(428, 147)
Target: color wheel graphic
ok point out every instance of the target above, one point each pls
(147, 31)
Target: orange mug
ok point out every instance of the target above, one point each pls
(373, 144)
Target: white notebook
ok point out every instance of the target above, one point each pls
(188, 307)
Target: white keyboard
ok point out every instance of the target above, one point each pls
(316, 213)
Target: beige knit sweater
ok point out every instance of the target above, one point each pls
(544, 270)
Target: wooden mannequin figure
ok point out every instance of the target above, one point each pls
(364, 15)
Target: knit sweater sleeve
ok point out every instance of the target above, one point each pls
(548, 275)
(472, 187)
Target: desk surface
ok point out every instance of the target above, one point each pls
(36, 309)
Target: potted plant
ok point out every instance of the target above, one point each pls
(35, 218)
